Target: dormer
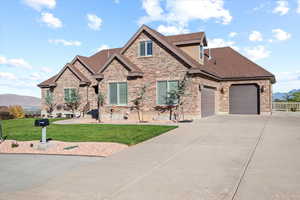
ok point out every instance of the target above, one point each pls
(192, 44)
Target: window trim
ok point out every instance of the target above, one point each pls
(108, 92)
(167, 89)
(69, 93)
(201, 53)
(146, 48)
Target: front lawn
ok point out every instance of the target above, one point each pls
(24, 130)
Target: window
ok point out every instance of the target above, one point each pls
(118, 93)
(201, 49)
(49, 94)
(146, 48)
(164, 88)
(69, 93)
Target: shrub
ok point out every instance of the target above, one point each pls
(16, 111)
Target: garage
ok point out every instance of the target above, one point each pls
(207, 101)
(244, 99)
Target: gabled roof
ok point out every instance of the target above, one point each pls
(228, 64)
(132, 68)
(96, 61)
(47, 82)
(75, 71)
(189, 38)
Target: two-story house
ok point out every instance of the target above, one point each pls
(219, 80)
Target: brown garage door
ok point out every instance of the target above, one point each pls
(243, 99)
(207, 102)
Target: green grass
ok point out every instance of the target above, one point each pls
(24, 130)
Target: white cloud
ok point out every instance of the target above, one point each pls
(46, 69)
(255, 36)
(117, 1)
(16, 62)
(94, 22)
(171, 30)
(50, 20)
(8, 76)
(65, 42)
(287, 81)
(219, 42)
(40, 4)
(180, 12)
(102, 47)
(35, 76)
(282, 7)
(281, 35)
(232, 34)
(257, 53)
(298, 9)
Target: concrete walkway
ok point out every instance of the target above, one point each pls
(222, 157)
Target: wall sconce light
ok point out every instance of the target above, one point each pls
(222, 90)
(262, 89)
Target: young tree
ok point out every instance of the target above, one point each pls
(100, 103)
(72, 101)
(175, 99)
(139, 100)
(49, 101)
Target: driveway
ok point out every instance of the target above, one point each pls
(222, 157)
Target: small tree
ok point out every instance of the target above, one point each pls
(175, 99)
(72, 102)
(16, 111)
(100, 103)
(139, 101)
(49, 101)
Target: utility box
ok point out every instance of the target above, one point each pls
(41, 122)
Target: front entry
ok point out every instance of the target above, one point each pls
(244, 99)
(207, 102)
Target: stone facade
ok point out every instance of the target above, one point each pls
(162, 65)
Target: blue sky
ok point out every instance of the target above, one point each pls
(38, 37)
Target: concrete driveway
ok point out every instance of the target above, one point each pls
(222, 157)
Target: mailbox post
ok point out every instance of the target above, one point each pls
(42, 123)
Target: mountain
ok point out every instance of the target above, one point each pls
(282, 95)
(24, 101)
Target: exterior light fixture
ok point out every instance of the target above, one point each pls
(262, 89)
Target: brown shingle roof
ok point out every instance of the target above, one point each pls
(47, 82)
(182, 38)
(228, 63)
(96, 61)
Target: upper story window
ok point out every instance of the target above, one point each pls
(164, 92)
(201, 52)
(69, 94)
(146, 48)
(118, 94)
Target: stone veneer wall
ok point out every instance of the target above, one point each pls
(67, 80)
(161, 66)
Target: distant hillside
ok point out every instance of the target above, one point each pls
(24, 101)
(282, 95)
